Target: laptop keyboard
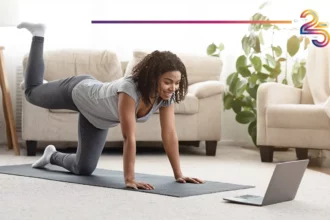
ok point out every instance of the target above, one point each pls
(248, 197)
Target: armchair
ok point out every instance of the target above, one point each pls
(292, 117)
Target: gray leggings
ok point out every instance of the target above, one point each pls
(57, 95)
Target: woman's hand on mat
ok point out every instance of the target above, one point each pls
(189, 180)
(138, 185)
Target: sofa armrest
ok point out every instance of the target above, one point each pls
(206, 88)
(273, 93)
(277, 93)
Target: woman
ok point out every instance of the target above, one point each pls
(157, 82)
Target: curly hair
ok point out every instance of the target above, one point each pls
(148, 71)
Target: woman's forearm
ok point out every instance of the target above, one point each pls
(171, 146)
(129, 153)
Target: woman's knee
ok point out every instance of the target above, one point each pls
(29, 97)
(85, 170)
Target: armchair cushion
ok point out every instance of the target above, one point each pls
(297, 116)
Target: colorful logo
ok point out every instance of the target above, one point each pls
(314, 27)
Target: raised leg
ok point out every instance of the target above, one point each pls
(211, 148)
(302, 153)
(266, 153)
(31, 148)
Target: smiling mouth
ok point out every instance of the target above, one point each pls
(168, 94)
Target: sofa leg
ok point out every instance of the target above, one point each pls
(266, 153)
(31, 147)
(302, 153)
(211, 148)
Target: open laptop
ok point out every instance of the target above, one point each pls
(283, 185)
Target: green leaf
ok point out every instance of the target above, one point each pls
(271, 60)
(241, 62)
(293, 45)
(241, 90)
(253, 91)
(301, 72)
(238, 87)
(296, 81)
(247, 102)
(276, 28)
(261, 38)
(276, 71)
(263, 5)
(215, 55)
(257, 45)
(252, 129)
(252, 40)
(257, 16)
(244, 71)
(268, 68)
(228, 100)
(262, 76)
(232, 86)
(237, 106)
(245, 117)
(253, 80)
(281, 59)
(256, 62)
(221, 47)
(307, 42)
(277, 50)
(231, 78)
(245, 45)
(211, 49)
(266, 26)
(285, 81)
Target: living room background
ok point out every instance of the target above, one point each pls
(69, 26)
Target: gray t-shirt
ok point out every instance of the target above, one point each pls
(98, 101)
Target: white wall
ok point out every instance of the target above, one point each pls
(69, 26)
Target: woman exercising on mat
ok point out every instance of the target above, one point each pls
(157, 82)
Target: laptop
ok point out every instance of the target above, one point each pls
(282, 187)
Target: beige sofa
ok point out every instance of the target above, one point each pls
(198, 117)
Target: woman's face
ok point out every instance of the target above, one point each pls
(168, 84)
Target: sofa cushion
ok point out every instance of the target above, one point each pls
(301, 116)
(104, 65)
(188, 106)
(199, 68)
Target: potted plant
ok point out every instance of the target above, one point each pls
(261, 61)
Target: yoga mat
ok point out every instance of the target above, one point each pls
(164, 185)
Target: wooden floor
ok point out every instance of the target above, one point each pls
(320, 169)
